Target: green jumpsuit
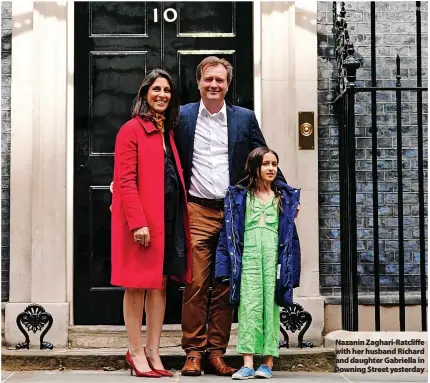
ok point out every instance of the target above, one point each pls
(258, 313)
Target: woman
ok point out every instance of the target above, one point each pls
(150, 227)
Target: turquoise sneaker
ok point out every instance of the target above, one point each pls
(264, 371)
(244, 373)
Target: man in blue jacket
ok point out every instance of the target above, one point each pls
(213, 140)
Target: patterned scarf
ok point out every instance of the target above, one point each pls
(157, 119)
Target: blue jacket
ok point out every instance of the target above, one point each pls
(230, 245)
(244, 135)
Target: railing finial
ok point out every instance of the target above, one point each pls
(342, 9)
(398, 77)
(351, 64)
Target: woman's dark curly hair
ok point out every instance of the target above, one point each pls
(252, 172)
(141, 106)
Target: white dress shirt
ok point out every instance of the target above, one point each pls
(209, 171)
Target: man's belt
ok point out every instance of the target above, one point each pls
(211, 203)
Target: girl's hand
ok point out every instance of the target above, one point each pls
(141, 236)
(297, 211)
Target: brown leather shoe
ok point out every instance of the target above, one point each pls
(217, 366)
(192, 366)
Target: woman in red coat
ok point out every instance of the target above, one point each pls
(150, 227)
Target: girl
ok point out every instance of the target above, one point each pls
(255, 255)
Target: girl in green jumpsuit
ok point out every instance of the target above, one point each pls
(257, 257)
(258, 313)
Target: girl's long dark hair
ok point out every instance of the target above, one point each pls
(252, 172)
(141, 106)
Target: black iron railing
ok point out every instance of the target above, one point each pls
(344, 104)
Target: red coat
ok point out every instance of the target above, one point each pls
(137, 201)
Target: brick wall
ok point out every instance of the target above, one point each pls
(395, 34)
(6, 47)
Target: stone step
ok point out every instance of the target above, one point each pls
(116, 336)
(317, 359)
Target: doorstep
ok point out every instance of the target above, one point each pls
(317, 359)
(116, 336)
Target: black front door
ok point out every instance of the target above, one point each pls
(115, 44)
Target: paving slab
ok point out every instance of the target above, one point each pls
(397, 377)
(315, 359)
(124, 377)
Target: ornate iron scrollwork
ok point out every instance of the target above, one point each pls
(292, 319)
(347, 63)
(34, 318)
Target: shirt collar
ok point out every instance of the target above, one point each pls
(222, 114)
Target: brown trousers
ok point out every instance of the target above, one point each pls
(206, 316)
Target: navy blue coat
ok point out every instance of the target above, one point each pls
(230, 246)
(244, 135)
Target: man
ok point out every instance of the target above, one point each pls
(214, 140)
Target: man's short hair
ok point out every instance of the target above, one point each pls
(213, 61)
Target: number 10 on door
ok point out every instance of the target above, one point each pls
(169, 15)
